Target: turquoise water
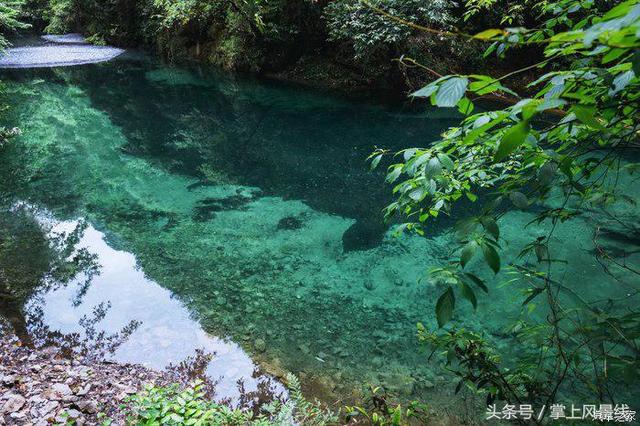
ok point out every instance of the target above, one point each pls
(251, 204)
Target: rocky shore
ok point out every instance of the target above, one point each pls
(43, 387)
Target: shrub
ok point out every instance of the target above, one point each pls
(368, 31)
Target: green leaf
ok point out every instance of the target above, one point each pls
(446, 161)
(477, 281)
(635, 62)
(533, 293)
(433, 167)
(467, 252)
(519, 200)
(621, 82)
(417, 194)
(425, 92)
(444, 307)
(451, 91)
(586, 114)
(490, 226)
(488, 34)
(492, 257)
(469, 294)
(394, 173)
(465, 106)
(375, 161)
(513, 138)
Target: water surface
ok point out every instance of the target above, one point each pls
(249, 205)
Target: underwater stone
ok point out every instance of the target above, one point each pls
(377, 361)
(363, 235)
(260, 345)
(368, 285)
(289, 223)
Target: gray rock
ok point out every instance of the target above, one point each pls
(48, 409)
(18, 415)
(9, 380)
(87, 406)
(58, 392)
(14, 403)
(85, 390)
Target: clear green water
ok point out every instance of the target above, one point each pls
(251, 203)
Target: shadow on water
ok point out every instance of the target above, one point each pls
(287, 142)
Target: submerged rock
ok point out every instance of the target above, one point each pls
(363, 235)
(260, 345)
(290, 223)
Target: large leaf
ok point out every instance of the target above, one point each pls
(451, 91)
(477, 281)
(444, 307)
(467, 252)
(492, 257)
(469, 294)
(490, 226)
(426, 91)
(488, 34)
(513, 138)
(519, 200)
(586, 114)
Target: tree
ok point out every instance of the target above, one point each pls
(567, 151)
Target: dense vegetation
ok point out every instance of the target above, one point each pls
(564, 147)
(342, 43)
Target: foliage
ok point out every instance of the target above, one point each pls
(367, 30)
(9, 19)
(171, 405)
(60, 16)
(509, 13)
(379, 411)
(297, 409)
(560, 153)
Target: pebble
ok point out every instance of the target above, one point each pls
(37, 387)
(260, 345)
(13, 403)
(87, 406)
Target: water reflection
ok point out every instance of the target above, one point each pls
(65, 285)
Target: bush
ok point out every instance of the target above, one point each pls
(368, 31)
(171, 405)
